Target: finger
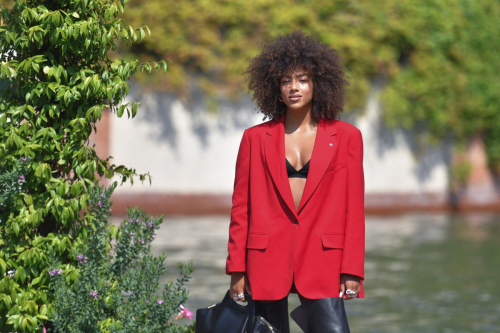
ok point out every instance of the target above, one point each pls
(353, 285)
(238, 292)
(242, 299)
(342, 289)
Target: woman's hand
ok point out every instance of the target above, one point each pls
(348, 281)
(239, 284)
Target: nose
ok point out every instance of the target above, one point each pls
(294, 85)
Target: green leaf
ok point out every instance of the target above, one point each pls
(24, 323)
(15, 227)
(120, 111)
(3, 266)
(28, 199)
(134, 109)
(12, 319)
(21, 273)
(35, 281)
(7, 300)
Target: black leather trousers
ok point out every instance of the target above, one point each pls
(275, 312)
(325, 316)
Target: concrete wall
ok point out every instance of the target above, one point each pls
(185, 148)
(191, 154)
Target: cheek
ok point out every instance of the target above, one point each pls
(307, 88)
(283, 90)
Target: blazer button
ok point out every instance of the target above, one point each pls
(296, 221)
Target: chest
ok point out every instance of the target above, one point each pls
(299, 147)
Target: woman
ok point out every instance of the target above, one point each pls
(297, 220)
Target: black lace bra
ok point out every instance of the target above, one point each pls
(292, 173)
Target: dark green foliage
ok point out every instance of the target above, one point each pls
(438, 59)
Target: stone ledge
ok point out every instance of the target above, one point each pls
(220, 204)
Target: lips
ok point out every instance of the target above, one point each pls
(294, 98)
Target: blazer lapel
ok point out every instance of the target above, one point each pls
(324, 147)
(276, 163)
(274, 149)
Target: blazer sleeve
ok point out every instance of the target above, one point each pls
(238, 227)
(354, 242)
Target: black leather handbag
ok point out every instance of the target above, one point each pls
(231, 317)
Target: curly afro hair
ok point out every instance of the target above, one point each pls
(289, 52)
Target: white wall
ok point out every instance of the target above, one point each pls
(190, 150)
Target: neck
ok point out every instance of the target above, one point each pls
(299, 119)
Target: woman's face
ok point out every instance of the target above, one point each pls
(296, 89)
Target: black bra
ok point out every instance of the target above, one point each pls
(292, 173)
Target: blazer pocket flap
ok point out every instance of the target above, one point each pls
(333, 241)
(257, 241)
(336, 166)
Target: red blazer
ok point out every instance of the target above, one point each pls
(271, 240)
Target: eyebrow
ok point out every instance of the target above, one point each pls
(299, 75)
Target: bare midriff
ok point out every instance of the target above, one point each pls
(297, 187)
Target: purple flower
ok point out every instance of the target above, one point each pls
(59, 271)
(102, 195)
(94, 293)
(24, 158)
(21, 176)
(137, 220)
(160, 301)
(52, 272)
(131, 221)
(150, 224)
(154, 236)
(142, 241)
(100, 204)
(82, 258)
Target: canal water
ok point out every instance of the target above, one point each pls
(424, 273)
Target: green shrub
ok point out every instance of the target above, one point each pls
(58, 79)
(115, 288)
